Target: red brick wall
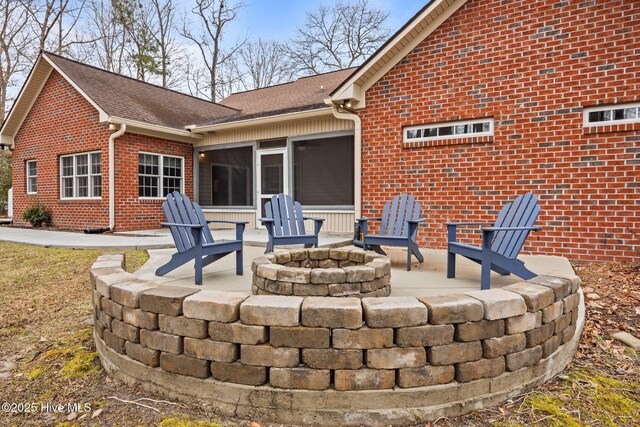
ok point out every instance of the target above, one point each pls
(532, 66)
(62, 122)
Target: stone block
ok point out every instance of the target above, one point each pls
(238, 373)
(425, 376)
(357, 255)
(364, 379)
(370, 256)
(160, 341)
(551, 345)
(318, 253)
(299, 254)
(560, 324)
(339, 253)
(424, 336)
(483, 329)
(268, 310)
(536, 297)
(99, 329)
(95, 299)
(332, 312)
(269, 271)
(211, 350)
(104, 319)
(395, 358)
(105, 281)
(238, 333)
(394, 312)
(359, 273)
(574, 316)
(528, 357)
(128, 293)
(363, 338)
(382, 266)
(495, 347)
(311, 263)
(539, 335)
(111, 308)
(292, 264)
(139, 318)
(483, 368)
(375, 284)
(327, 263)
(183, 326)
(447, 309)
(456, 352)
(299, 337)
(282, 257)
(308, 289)
(552, 312)
(113, 341)
(294, 275)
(279, 288)
(300, 378)
(499, 304)
(571, 302)
(560, 286)
(97, 272)
(328, 275)
(261, 260)
(125, 331)
(183, 365)
(332, 358)
(165, 299)
(142, 354)
(526, 322)
(266, 355)
(216, 306)
(568, 333)
(344, 289)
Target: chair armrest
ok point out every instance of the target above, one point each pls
(468, 223)
(266, 220)
(221, 221)
(365, 219)
(416, 221)
(493, 229)
(173, 224)
(313, 218)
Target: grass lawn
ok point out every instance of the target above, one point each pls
(47, 353)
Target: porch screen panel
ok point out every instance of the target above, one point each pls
(323, 171)
(226, 177)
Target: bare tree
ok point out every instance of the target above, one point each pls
(15, 40)
(163, 34)
(55, 22)
(263, 63)
(106, 48)
(212, 16)
(337, 37)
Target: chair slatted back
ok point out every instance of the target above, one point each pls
(522, 212)
(179, 209)
(395, 215)
(286, 214)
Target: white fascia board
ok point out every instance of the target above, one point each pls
(142, 128)
(266, 120)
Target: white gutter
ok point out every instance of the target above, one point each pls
(357, 158)
(153, 128)
(112, 174)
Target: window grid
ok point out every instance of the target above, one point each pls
(159, 175)
(612, 114)
(81, 176)
(449, 130)
(32, 177)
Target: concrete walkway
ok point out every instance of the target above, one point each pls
(137, 240)
(428, 278)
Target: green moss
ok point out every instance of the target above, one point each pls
(34, 373)
(83, 363)
(550, 406)
(185, 421)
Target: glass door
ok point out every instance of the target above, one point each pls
(272, 177)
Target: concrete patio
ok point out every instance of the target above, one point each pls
(428, 278)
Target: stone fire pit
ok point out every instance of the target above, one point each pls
(337, 272)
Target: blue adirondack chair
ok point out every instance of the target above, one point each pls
(193, 238)
(285, 223)
(398, 227)
(501, 241)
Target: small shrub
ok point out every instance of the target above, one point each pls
(36, 215)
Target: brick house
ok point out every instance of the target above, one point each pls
(469, 104)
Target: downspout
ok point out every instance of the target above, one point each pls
(112, 174)
(357, 147)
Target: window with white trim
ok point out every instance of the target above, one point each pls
(612, 114)
(81, 176)
(159, 175)
(32, 177)
(449, 130)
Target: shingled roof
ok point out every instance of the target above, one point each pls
(132, 99)
(306, 93)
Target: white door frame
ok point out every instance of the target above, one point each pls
(285, 177)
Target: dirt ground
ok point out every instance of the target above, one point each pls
(47, 356)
